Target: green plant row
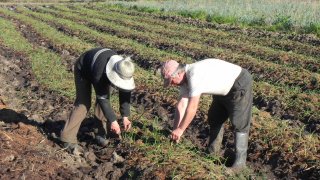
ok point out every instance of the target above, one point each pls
(288, 104)
(148, 54)
(288, 43)
(74, 44)
(282, 23)
(167, 153)
(53, 39)
(56, 36)
(200, 35)
(60, 42)
(48, 72)
(265, 70)
(293, 144)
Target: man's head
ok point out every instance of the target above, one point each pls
(120, 71)
(170, 72)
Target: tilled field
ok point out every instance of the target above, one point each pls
(40, 43)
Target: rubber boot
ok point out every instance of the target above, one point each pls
(102, 140)
(101, 137)
(215, 140)
(241, 141)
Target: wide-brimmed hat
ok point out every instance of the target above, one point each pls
(120, 71)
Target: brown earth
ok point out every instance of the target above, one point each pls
(31, 117)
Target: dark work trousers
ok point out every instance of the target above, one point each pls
(81, 107)
(236, 105)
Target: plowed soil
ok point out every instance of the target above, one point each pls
(31, 117)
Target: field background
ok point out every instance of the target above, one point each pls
(270, 14)
(277, 41)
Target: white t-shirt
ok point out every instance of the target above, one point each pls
(209, 76)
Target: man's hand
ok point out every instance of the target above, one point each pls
(176, 135)
(115, 127)
(126, 123)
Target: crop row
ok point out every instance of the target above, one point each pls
(267, 71)
(42, 29)
(211, 37)
(269, 135)
(60, 42)
(254, 33)
(53, 41)
(298, 104)
(305, 100)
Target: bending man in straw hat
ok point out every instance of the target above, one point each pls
(101, 68)
(231, 89)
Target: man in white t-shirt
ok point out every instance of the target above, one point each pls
(231, 88)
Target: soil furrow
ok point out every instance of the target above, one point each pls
(55, 108)
(147, 102)
(234, 43)
(254, 150)
(301, 38)
(197, 51)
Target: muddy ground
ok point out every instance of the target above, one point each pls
(31, 117)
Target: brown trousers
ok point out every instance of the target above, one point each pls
(81, 106)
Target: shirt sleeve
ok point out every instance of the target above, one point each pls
(124, 100)
(194, 84)
(103, 99)
(194, 90)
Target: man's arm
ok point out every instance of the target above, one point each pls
(103, 98)
(124, 101)
(187, 118)
(103, 95)
(107, 110)
(180, 111)
(190, 112)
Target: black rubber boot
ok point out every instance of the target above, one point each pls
(102, 141)
(101, 128)
(102, 133)
(241, 141)
(215, 140)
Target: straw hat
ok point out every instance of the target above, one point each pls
(120, 71)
